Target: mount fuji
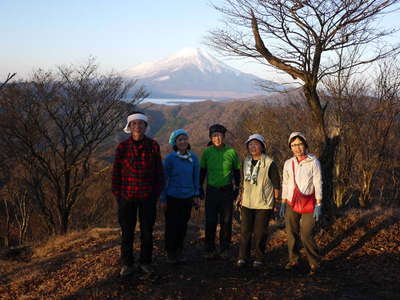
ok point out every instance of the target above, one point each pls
(194, 73)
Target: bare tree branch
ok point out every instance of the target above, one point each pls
(9, 77)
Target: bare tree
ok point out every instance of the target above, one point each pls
(19, 198)
(57, 122)
(366, 114)
(4, 173)
(297, 37)
(379, 119)
(346, 91)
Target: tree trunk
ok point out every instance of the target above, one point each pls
(23, 228)
(338, 187)
(8, 221)
(64, 221)
(339, 192)
(328, 146)
(364, 199)
(313, 101)
(328, 164)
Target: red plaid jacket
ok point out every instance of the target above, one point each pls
(138, 171)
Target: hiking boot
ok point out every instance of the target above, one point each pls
(172, 259)
(257, 263)
(126, 271)
(241, 263)
(211, 254)
(313, 270)
(146, 268)
(180, 257)
(291, 265)
(224, 254)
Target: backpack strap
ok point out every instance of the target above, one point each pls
(294, 175)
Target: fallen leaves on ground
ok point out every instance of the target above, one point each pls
(361, 261)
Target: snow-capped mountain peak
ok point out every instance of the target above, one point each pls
(192, 72)
(202, 59)
(188, 52)
(184, 58)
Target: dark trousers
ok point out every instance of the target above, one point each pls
(299, 227)
(177, 216)
(254, 222)
(219, 206)
(128, 210)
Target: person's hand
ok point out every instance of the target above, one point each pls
(196, 202)
(282, 210)
(276, 209)
(317, 211)
(118, 199)
(201, 193)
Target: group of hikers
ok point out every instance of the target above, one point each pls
(140, 178)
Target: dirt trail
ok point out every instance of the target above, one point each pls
(361, 261)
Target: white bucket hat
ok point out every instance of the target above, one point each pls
(136, 116)
(257, 137)
(294, 134)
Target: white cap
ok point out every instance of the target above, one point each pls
(257, 137)
(296, 133)
(137, 116)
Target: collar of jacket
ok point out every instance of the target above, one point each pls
(142, 141)
(309, 158)
(262, 159)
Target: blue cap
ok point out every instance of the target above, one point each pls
(175, 134)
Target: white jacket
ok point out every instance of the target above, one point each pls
(308, 177)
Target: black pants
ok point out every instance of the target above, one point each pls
(219, 206)
(128, 210)
(177, 216)
(254, 222)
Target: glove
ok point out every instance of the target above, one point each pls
(238, 203)
(317, 211)
(201, 193)
(282, 210)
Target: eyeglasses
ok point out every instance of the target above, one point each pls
(297, 145)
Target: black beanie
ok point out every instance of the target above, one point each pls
(217, 128)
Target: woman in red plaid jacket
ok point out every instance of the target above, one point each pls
(137, 183)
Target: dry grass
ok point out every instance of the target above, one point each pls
(76, 239)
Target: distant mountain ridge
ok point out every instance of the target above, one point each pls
(194, 73)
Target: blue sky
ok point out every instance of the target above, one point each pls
(119, 34)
